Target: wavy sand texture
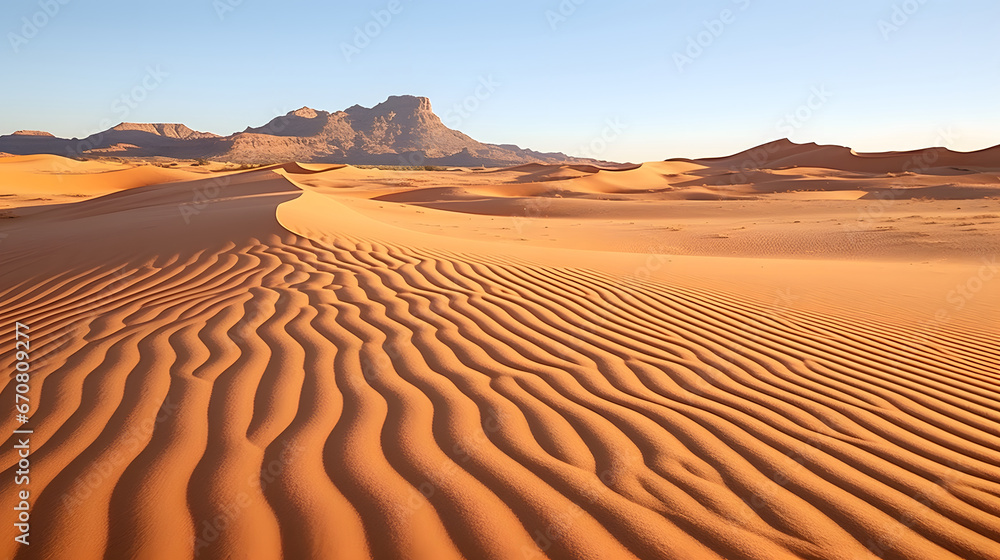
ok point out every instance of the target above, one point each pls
(280, 375)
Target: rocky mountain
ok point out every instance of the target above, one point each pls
(33, 133)
(403, 130)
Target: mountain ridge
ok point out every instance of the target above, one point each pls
(402, 130)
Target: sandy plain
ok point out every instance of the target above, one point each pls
(787, 353)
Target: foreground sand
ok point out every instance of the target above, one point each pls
(329, 362)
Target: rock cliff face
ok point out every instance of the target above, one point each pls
(403, 130)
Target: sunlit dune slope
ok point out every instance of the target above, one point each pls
(270, 365)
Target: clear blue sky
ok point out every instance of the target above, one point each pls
(562, 69)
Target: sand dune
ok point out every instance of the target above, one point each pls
(276, 364)
(784, 153)
(815, 175)
(47, 179)
(306, 168)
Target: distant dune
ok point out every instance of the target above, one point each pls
(784, 153)
(702, 359)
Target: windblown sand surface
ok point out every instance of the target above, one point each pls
(685, 360)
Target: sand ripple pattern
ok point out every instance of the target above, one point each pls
(290, 398)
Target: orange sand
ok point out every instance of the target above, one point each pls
(538, 362)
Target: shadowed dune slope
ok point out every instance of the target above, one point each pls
(254, 371)
(784, 153)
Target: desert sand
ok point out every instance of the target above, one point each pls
(683, 360)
